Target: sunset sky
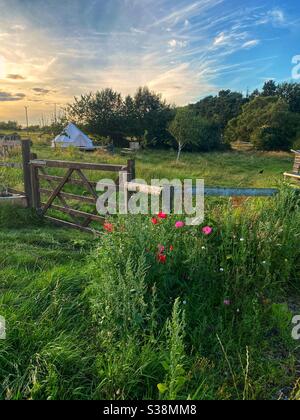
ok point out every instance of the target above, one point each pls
(51, 51)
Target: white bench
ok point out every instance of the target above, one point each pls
(295, 174)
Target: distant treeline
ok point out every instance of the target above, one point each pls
(269, 119)
(10, 125)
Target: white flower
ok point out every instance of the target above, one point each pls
(222, 270)
(184, 302)
(242, 240)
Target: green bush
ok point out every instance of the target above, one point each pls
(267, 122)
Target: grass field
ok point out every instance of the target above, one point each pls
(260, 169)
(109, 318)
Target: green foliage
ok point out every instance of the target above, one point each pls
(107, 114)
(266, 122)
(222, 108)
(289, 92)
(90, 319)
(176, 358)
(9, 125)
(269, 89)
(188, 129)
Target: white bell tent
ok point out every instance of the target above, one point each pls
(73, 137)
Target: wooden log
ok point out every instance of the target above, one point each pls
(77, 213)
(146, 189)
(78, 165)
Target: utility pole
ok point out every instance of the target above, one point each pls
(55, 113)
(26, 114)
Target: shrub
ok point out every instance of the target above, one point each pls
(266, 122)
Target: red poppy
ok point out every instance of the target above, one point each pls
(171, 248)
(162, 215)
(162, 259)
(109, 227)
(154, 221)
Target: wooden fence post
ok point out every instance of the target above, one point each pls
(36, 197)
(131, 170)
(26, 170)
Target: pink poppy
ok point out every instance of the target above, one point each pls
(227, 302)
(179, 225)
(154, 221)
(171, 248)
(207, 230)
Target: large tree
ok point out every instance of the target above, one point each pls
(266, 122)
(222, 108)
(290, 92)
(153, 116)
(101, 112)
(270, 88)
(107, 114)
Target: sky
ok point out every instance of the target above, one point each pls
(53, 50)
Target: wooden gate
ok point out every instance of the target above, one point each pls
(58, 200)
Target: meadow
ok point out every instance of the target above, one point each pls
(150, 310)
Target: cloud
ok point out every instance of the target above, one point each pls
(9, 97)
(277, 16)
(182, 49)
(251, 44)
(230, 39)
(18, 28)
(173, 44)
(220, 39)
(41, 91)
(274, 16)
(15, 77)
